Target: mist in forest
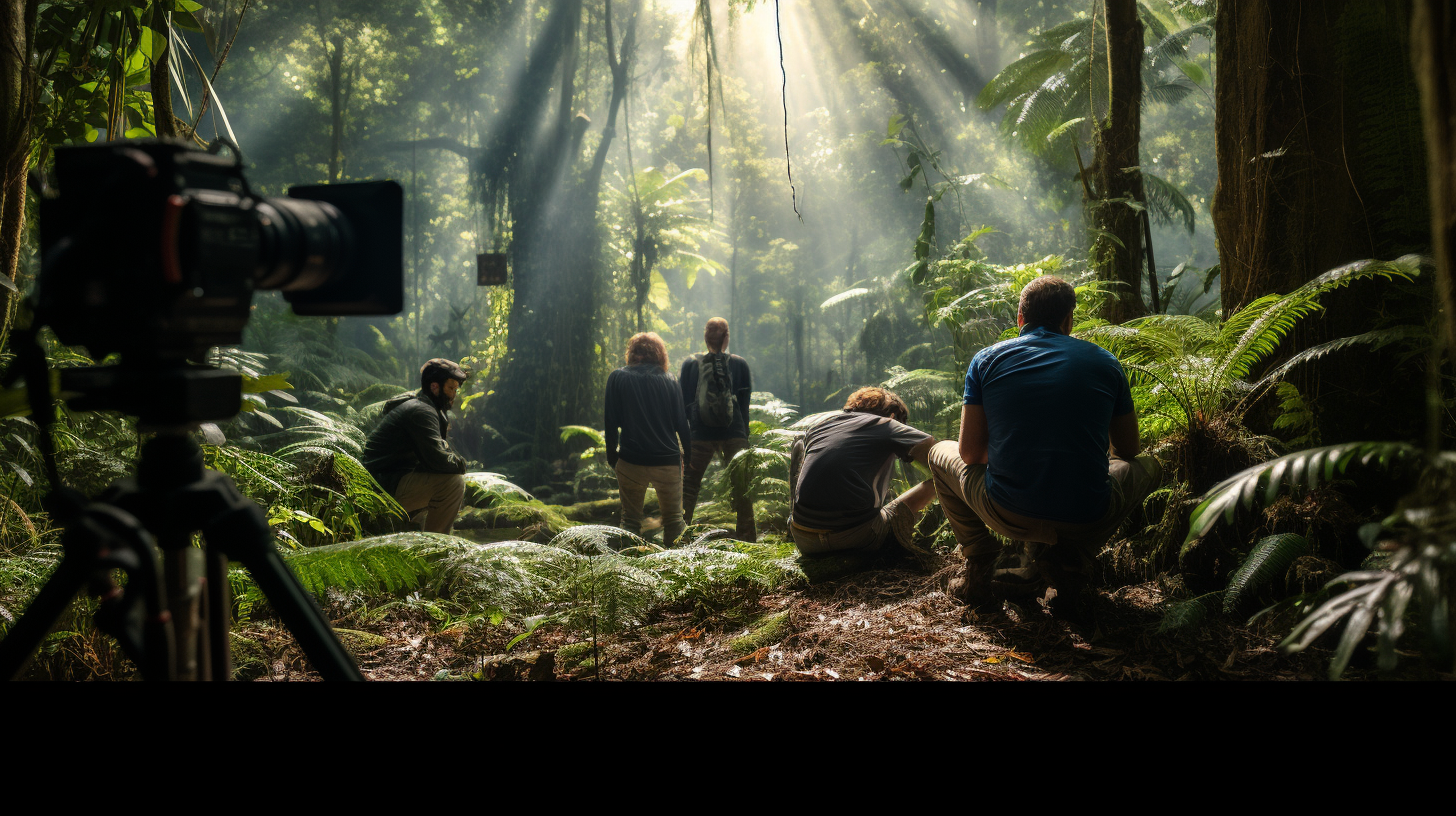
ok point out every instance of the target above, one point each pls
(761, 166)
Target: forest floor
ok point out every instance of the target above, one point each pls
(893, 623)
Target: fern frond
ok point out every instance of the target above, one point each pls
(1298, 471)
(1378, 338)
(1264, 333)
(392, 564)
(1269, 559)
(595, 539)
(489, 489)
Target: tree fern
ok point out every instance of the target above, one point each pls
(1269, 559)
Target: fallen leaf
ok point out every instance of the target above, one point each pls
(735, 671)
(832, 673)
(875, 663)
(754, 656)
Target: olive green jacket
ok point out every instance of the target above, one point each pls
(413, 437)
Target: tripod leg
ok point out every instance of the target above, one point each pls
(182, 579)
(244, 535)
(40, 617)
(219, 616)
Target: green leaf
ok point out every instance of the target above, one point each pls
(271, 382)
(1192, 70)
(185, 19)
(927, 233)
(897, 123)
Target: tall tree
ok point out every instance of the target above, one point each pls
(547, 378)
(1116, 248)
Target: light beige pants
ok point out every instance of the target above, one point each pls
(440, 494)
(972, 514)
(632, 483)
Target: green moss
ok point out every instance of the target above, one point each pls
(770, 630)
(572, 654)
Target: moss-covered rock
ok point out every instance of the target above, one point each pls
(768, 631)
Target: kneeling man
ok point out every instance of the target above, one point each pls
(840, 476)
(1048, 454)
(409, 454)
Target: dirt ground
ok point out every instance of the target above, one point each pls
(893, 624)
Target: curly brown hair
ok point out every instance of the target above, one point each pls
(872, 400)
(647, 347)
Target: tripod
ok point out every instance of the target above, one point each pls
(172, 616)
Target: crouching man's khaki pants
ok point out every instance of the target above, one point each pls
(440, 494)
(1058, 547)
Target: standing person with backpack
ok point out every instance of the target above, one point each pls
(716, 388)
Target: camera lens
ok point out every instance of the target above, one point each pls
(302, 243)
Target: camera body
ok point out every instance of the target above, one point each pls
(154, 249)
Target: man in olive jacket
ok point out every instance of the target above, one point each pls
(409, 454)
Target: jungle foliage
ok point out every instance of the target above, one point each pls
(864, 206)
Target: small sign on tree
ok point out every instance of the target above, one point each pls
(490, 269)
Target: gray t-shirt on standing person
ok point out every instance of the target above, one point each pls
(844, 478)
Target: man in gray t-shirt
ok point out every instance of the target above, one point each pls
(840, 477)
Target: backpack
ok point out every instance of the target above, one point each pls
(715, 391)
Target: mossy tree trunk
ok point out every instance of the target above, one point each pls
(548, 379)
(1117, 241)
(17, 99)
(1320, 163)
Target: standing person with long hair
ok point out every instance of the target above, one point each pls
(643, 403)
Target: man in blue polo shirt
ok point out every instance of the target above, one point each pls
(1047, 456)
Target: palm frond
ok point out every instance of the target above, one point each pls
(1166, 202)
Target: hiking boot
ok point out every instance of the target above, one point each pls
(971, 587)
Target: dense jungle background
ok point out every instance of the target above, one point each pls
(1254, 199)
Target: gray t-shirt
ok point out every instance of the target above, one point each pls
(844, 477)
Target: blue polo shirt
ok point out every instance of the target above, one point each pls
(1049, 400)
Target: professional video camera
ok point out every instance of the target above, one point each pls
(153, 249)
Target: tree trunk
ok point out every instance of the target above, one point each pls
(1321, 163)
(336, 107)
(1116, 248)
(1317, 139)
(17, 101)
(161, 81)
(548, 379)
(1433, 32)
